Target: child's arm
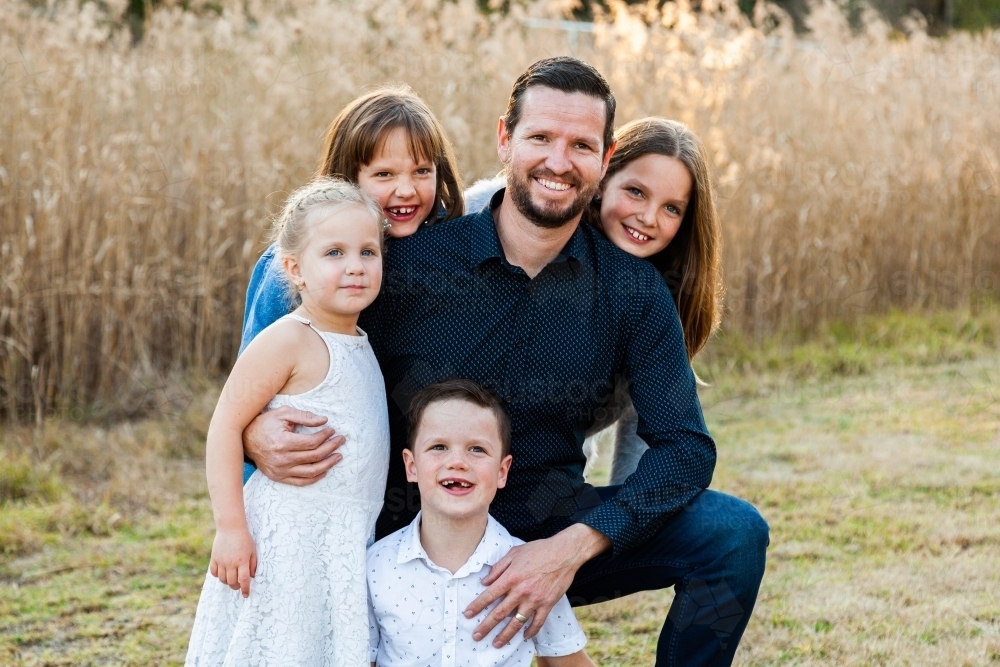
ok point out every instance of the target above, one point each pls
(259, 373)
(578, 659)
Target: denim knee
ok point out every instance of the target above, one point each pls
(736, 524)
(756, 533)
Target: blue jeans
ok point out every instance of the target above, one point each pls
(712, 553)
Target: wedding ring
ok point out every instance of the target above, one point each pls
(521, 617)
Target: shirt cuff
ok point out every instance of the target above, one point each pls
(614, 521)
(568, 646)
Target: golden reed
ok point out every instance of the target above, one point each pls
(857, 172)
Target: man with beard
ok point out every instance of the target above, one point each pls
(522, 298)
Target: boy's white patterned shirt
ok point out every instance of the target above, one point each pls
(416, 609)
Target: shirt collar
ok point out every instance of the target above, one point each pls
(486, 242)
(495, 544)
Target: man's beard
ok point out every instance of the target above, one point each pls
(519, 190)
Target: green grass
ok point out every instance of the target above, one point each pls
(881, 483)
(883, 495)
(850, 349)
(126, 599)
(20, 480)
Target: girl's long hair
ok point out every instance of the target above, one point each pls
(356, 136)
(691, 264)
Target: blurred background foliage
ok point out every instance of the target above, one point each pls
(939, 16)
(936, 17)
(857, 171)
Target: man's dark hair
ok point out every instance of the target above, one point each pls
(459, 389)
(569, 75)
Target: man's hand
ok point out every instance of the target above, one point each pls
(531, 578)
(285, 456)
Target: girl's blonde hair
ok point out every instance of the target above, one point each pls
(291, 228)
(691, 264)
(357, 134)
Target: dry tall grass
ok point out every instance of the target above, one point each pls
(857, 173)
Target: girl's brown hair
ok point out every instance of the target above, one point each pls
(691, 264)
(356, 136)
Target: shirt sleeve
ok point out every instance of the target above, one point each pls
(561, 634)
(268, 299)
(681, 458)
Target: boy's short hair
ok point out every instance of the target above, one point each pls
(459, 389)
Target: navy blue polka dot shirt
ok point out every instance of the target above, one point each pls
(551, 347)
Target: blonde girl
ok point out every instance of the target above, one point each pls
(286, 584)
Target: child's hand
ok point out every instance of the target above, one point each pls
(234, 559)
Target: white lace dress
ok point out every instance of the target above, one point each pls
(308, 603)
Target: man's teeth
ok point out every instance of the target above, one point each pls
(450, 483)
(636, 235)
(552, 185)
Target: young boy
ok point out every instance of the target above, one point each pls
(421, 578)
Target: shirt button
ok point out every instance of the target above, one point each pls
(519, 343)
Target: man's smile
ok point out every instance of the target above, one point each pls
(552, 185)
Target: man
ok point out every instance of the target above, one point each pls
(523, 299)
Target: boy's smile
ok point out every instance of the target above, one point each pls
(457, 486)
(457, 459)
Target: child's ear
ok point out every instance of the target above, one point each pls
(294, 271)
(504, 469)
(410, 464)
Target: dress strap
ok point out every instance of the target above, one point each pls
(299, 318)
